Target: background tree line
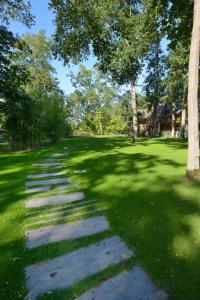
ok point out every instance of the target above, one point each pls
(32, 106)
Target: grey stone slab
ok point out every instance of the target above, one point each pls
(44, 165)
(133, 285)
(60, 208)
(47, 181)
(67, 231)
(52, 200)
(44, 175)
(68, 216)
(68, 269)
(38, 189)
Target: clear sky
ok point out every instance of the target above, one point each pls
(44, 20)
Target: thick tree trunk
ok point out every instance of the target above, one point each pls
(193, 123)
(134, 111)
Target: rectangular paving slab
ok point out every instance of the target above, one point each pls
(68, 269)
(43, 175)
(67, 231)
(37, 189)
(133, 285)
(52, 200)
(47, 181)
(49, 165)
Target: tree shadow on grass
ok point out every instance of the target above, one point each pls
(153, 208)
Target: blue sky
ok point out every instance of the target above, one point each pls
(44, 20)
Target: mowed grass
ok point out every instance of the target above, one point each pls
(152, 207)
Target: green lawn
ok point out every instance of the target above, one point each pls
(152, 207)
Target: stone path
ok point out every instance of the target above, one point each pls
(44, 165)
(47, 182)
(66, 231)
(66, 270)
(55, 199)
(133, 285)
(45, 175)
(38, 189)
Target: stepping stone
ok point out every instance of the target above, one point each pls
(66, 270)
(67, 231)
(67, 216)
(38, 189)
(48, 181)
(49, 165)
(133, 285)
(60, 208)
(55, 199)
(43, 175)
(67, 186)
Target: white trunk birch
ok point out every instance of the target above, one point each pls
(193, 122)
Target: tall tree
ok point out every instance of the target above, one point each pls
(115, 30)
(154, 85)
(95, 92)
(176, 81)
(18, 10)
(193, 83)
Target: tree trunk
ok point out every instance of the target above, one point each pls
(154, 114)
(158, 129)
(183, 122)
(193, 123)
(173, 130)
(134, 111)
(101, 126)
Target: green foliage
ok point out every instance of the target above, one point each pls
(53, 117)
(154, 81)
(18, 10)
(177, 68)
(118, 115)
(116, 31)
(176, 19)
(90, 100)
(33, 105)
